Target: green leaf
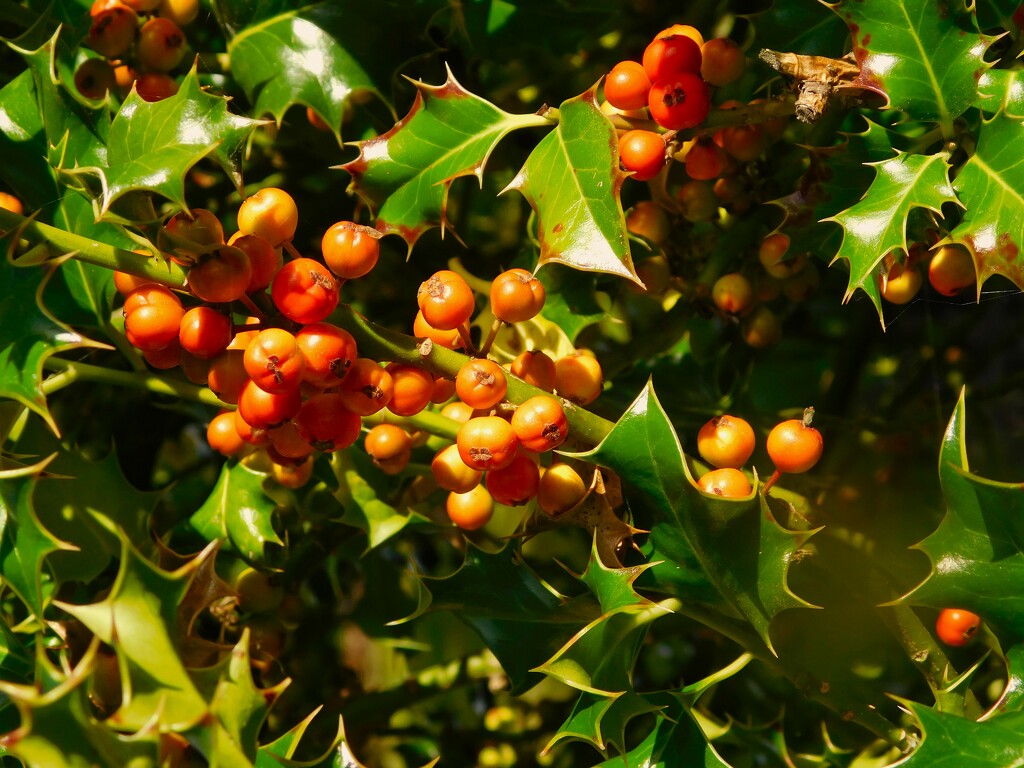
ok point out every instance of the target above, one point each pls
(977, 552)
(675, 740)
(363, 508)
(405, 174)
(152, 146)
(925, 62)
(728, 554)
(503, 29)
(799, 27)
(24, 542)
(281, 750)
(29, 334)
(996, 13)
(315, 53)
(1012, 698)
(139, 618)
(572, 180)
(991, 186)
(58, 727)
(238, 513)
(878, 223)
(525, 627)
(570, 302)
(1002, 90)
(952, 740)
(23, 144)
(601, 720)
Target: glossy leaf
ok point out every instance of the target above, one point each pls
(572, 180)
(878, 223)
(675, 740)
(1003, 90)
(23, 144)
(58, 726)
(523, 629)
(238, 513)
(281, 750)
(601, 720)
(570, 302)
(29, 334)
(991, 186)
(315, 53)
(152, 146)
(139, 618)
(924, 62)
(1012, 698)
(24, 542)
(977, 552)
(404, 174)
(952, 740)
(728, 554)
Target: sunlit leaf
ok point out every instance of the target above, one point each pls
(952, 740)
(238, 513)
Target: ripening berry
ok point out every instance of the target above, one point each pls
(221, 275)
(683, 29)
(956, 627)
(412, 389)
(794, 445)
(350, 250)
(902, 284)
(446, 300)
(288, 442)
(578, 378)
(113, 31)
(226, 375)
(389, 446)
(265, 410)
(647, 219)
(164, 359)
(181, 12)
(151, 327)
(762, 328)
(560, 489)
(451, 473)
(487, 442)
(10, 203)
(515, 484)
(290, 475)
(325, 423)
(222, 435)
(705, 160)
(642, 153)
(457, 411)
(540, 424)
(329, 352)
(697, 201)
(670, 56)
(745, 143)
(470, 510)
(679, 102)
(150, 293)
(481, 384)
(264, 259)
(450, 339)
(271, 213)
(732, 293)
(536, 368)
(516, 296)
(728, 482)
(274, 361)
(627, 85)
(205, 332)
(95, 78)
(722, 61)
(726, 441)
(951, 270)
(161, 45)
(153, 86)
(304, 291)
(198, 227)
(367, 388)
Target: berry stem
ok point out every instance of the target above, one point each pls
(292, 250)
(467, 338)
(251, 306)
(71, 371)
(808, 415)
(495, 327)
(771, 481)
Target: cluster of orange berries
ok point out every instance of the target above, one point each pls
(133, 50)
(299, 384)
(950, 271)
(727, 443)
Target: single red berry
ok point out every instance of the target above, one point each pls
(956, 627)
(951, 270)
(264, 258)
(205, 332)
(350, 250)
(221, 275)
(446, 300)
(412, 389)
(161, 45)
(113, 30)
(271, 213)
(536, 368)
(154, 86)
(367, 388)
(305, 291)
(329, 352)
(487, 442)
(726, 441)
(325, 423)
(728, 482)
(679, 102)
(517, 296)
(722, 61)
(274, 361)
(627, 85)
(515, 484)
(643, 153)
(95, 78)
(540, 424)
(152, 327)
(265, 410)
(470, 510)
(481, 384)
(794, 445)
(670, 56)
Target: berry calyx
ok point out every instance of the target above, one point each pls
(679, 102)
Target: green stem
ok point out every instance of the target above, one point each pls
(159, 270)
(70, 371)
(427, 421)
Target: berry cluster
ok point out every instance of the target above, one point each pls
(951, 271)
(138, 42)
(727, 443)
(300, 385)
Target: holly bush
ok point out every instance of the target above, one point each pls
(255, 510)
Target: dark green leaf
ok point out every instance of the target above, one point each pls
(238, 513)
(729, 554)
(602, 720)
(140, 619)
(878, 223)
(952, 740)
(996, 13)
(570, 302)
(23, 144)
(991, 186)
(977, 552)
(502, 28)
(572, 180)
(926, 62)
(152, 146)
(405, 173)
(29, 334)
(796, 26)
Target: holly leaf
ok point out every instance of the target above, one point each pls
(139, 619)
(523, 629)
(509, 29)
(951, 740)
(1012, 697)
(572, 180)
(993, 14)
(29, 333)
(1002, 90)
(728, 554)
(675, 740)
(924, 61)
(991, 187)
(878, 223)
(570, 302)
(405, 174)
(281, 750)
(151, 147)
(238, 513)
(58, 726)
(315, 53)
(977, 552)
(24, 542)
(23, 144)
(601, 720)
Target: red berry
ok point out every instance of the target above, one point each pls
(329, 352)
(205, 332)
(325, 423)
(274, 361)
(481, 384)
(161, 45)
(957, 627)
(627, 85)
(728, 482)
(795, 446)
(349, 250)
(540, 424)
(670, 56)
(221, 275)
(643, 153)
(271, 213)
(679, 102)
(305, 291)
(446, 300)
(516, 296)
(726, 441)
(514, 484)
